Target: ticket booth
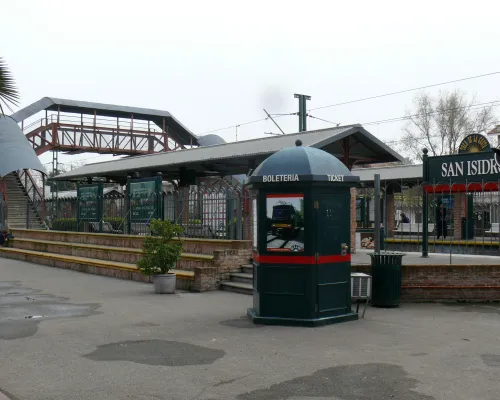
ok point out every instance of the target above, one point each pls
(302, 231)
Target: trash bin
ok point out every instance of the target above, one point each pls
(386, 278)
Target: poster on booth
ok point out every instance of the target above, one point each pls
(285, 222)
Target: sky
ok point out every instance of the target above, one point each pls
(219, 63)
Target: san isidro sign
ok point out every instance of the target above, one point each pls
(475, 162)
(470, 168)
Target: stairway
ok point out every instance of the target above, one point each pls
(240, 282)
(109, 255)
(18, 204)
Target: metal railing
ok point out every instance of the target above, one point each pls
(462, 218)
(89, 120)
(214, 211)
(36, 198)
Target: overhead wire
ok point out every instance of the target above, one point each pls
(477, 106)
(358, 100)
(403, 91)
(324, 120)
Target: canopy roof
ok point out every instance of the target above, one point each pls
(16, 152)
(239, 157)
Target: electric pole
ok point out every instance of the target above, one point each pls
(302, 111)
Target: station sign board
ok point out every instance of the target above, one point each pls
(145, 199)
(90, 202)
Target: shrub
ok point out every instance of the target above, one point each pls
(65, 224)
(116, 222)
(160, 251)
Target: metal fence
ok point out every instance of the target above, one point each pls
(462, 218)
(213, 211)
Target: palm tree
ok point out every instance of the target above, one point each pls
(8, 89)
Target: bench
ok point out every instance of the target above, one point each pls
(407, 228)
(106, 228)
(494, 229)
(204, 231)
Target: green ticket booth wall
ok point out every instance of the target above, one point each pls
(302, 261)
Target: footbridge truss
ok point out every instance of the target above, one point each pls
(75, 127)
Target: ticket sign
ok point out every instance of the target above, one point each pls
(285, 222)
(297, 178)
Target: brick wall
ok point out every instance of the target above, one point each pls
(459, 211)
(390, 215)
(447, 282)
(205, 279)
(227, 261)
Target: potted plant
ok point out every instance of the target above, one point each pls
(160, 254)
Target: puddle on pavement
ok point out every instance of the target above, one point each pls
(156, 352)
(491, 360)
(375, 381)
(22, 309)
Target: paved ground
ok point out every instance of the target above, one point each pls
(411, 258)
(92, 337)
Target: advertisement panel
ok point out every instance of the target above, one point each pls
(285, 222)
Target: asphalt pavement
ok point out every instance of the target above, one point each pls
(68, 335)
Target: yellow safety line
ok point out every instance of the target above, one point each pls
(108, 248)
(454, 242)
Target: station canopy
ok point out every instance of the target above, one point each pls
(352, 144)
(16, 152)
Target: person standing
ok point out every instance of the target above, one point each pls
(441, 220)
(404, 219)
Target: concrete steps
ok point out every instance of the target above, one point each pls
(92, 266)
(206, 261)
(188, 261)
(242, 277)
(19, 205)
(240, 282)
(236, 287)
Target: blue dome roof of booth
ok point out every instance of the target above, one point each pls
(301, 160)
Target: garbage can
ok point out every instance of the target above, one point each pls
(386, 278)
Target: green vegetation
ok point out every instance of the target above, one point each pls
(9, 94)
(71, 225)
(160, 251)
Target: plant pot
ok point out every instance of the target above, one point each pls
(164, 284)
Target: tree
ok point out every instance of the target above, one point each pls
(62, 186)
(9, 94)
(439, 124)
